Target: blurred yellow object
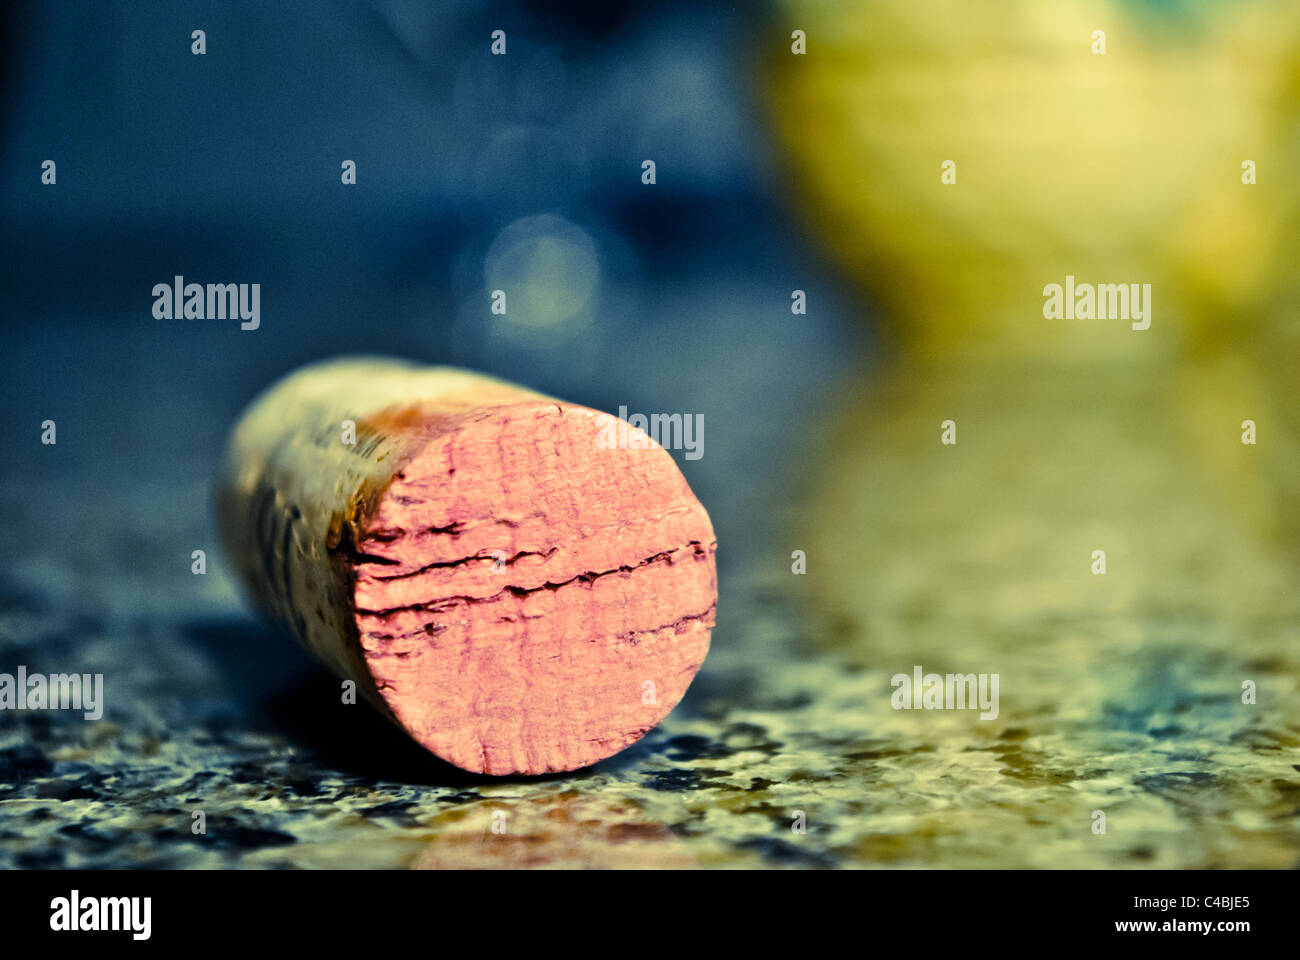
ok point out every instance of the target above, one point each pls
(1114, 168)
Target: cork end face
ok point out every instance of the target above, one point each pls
(535, 589)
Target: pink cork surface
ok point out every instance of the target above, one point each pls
(529, 602)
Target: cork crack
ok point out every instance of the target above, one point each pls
(457, 528)
(444, 603)
(633, 636)
(443, 564)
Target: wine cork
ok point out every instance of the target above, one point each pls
(517, 594)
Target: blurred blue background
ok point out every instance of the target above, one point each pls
(474, 172)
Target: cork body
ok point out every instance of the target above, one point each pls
(517, 597)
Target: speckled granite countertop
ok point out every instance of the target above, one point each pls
(207, 710)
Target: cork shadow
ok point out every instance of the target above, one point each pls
(278, 689)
